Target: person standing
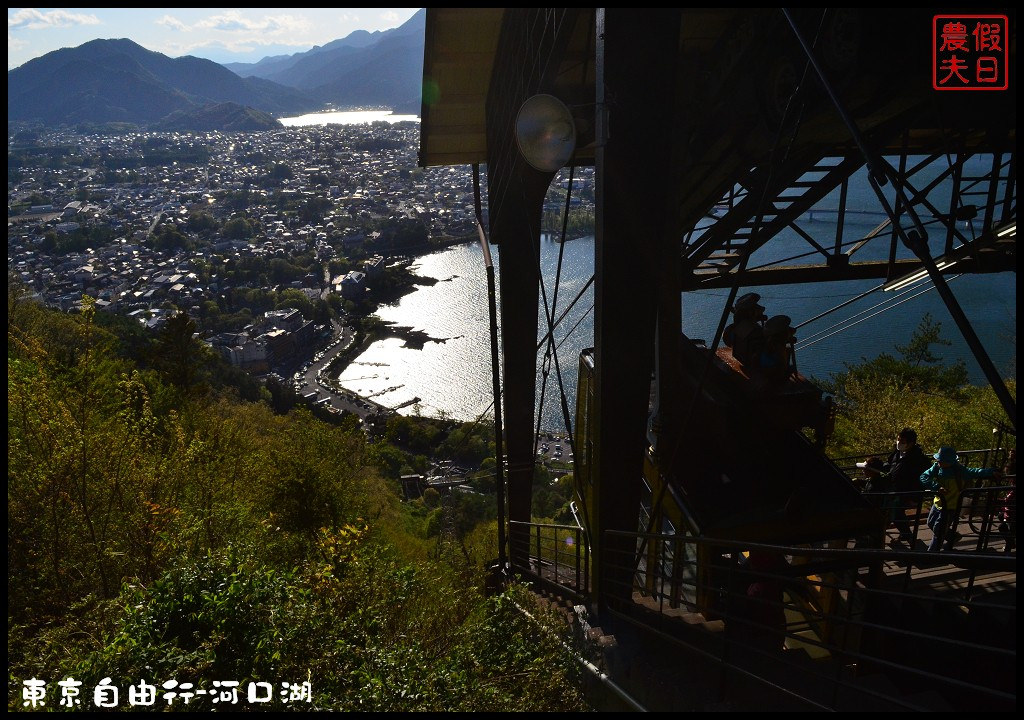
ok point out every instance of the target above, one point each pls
(745, 334)
(777, 361)
(948, 478)
(904, 467)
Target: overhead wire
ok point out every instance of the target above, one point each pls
(551, 349)
(759, 217)
(850, 325)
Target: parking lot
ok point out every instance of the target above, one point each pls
(553, 447)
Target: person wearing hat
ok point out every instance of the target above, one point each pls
(948, 478)
(775, 359)
(904, 466)
(744, 335)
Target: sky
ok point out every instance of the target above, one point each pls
(218, 34)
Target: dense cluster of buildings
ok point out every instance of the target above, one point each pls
(85, 211)
(129, 199)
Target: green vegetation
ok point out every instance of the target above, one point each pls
(580, 224)
(78, 240)
(160, 527)
(878, 397)
(168, 519)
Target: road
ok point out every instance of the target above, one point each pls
(313, 378)
(156, 221)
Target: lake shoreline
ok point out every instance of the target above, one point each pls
(454, 378)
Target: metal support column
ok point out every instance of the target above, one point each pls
(633, 197)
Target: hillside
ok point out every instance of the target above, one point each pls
(119, 80)
(161, 527)
(275, 67)
(381, 69)
(223, 117)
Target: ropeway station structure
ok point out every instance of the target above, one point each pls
(714, 135)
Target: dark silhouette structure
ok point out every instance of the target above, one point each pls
(714, 133)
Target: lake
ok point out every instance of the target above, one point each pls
(354, 117)
(452, 376)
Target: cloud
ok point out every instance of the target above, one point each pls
(390, 16)
(234, 22)
(235, 32)
(32, 19)
(173, 23)
(202, 48)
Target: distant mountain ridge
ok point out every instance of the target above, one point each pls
(118, 80)
(363, 69)
(267, 67)
(121, 81)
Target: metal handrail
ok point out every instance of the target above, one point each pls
(661, 589)
(565, 570)
(730, 648)
(848, 462)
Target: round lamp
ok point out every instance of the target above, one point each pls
(545, 133)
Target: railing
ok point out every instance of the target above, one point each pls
(557, 556)
(816, 625)
(982, 457)
(825, 624)
(984, 519)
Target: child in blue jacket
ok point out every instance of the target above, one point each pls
(948, 478)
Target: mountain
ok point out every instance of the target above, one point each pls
(276, 65)
(119, 80)
(225, 117)
(388, 74)
(382, 69)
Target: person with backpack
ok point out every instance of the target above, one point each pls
(948, 478)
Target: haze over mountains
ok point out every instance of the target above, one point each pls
(383, 68)
(120, 81)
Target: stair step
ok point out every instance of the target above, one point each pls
(808, 642)
(778, 669)
(715, 267)
(849, 699)
(686, 617)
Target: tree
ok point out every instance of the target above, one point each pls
(238, 199)
(281, 171)
(878, 397)
(168, 237)
(916, 369)
(238, 228)
(178, 352)
(321, 312)
(49, 243)
(282, 271)
(315, 209)
(292, 298)
(199, 221)
(431, 497)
